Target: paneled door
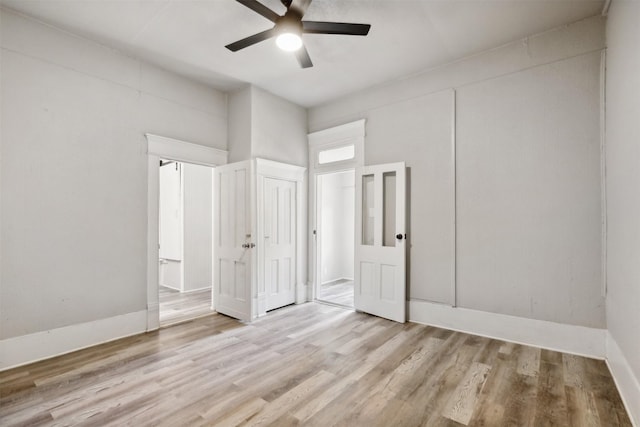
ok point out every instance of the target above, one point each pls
(279, 229)
(233, 245)
(380, 247)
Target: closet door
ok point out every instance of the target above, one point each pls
(279, 229)
(380, 287)
(233, 246)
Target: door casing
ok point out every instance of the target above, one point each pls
(160, 147)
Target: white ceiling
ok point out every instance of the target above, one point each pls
(407, 36)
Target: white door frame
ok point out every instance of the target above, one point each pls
(160, 147)
(348, 134)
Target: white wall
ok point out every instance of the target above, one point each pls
(279, 129)
(74, 172)
(266, 126)
(170, 274)
(527, 199)
(528, 194)
(419, 131)
(240, 125)
(198, 227)
(337, 193)
(623, 188)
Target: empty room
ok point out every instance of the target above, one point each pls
(320, 212)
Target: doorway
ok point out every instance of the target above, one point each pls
(185, 241)
(335, 195)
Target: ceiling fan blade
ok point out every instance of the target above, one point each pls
(251, 40)
(303, 57)
(260, 9)
(315, 27)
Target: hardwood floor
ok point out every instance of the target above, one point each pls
(337, 292)
(176, 307)
(312, 365)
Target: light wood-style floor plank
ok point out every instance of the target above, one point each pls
(337, 292)
(176, 306)
(311, 365)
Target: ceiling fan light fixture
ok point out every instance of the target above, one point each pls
(288, 29)
(289, 42)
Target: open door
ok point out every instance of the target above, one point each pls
(380, 249)
(233, 247)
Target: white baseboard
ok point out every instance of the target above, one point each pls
(303, 292)
(260, 304)
(196, 290)
(153, 316)
(578, 340)
(43, 345)
(627, 383)
(326, 282)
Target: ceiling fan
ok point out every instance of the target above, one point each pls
(289, 28)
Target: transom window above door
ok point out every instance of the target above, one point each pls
(337, 148)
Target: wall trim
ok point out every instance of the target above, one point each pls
(278, 170)
(197, 289)
(153, 315)
(454, 180)
(603, 172)
(302, 293)
(578, 340)
(182, 151)
(626, 382)
(338, 133)
(25, 349)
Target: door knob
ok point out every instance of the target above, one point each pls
(399, 236)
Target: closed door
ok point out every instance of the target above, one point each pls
(233, 245)
(279, 228)
(380, 248)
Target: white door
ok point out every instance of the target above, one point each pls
(380, 241)
(233, 245)
(279, 228)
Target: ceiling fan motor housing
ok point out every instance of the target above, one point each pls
(291, 22)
